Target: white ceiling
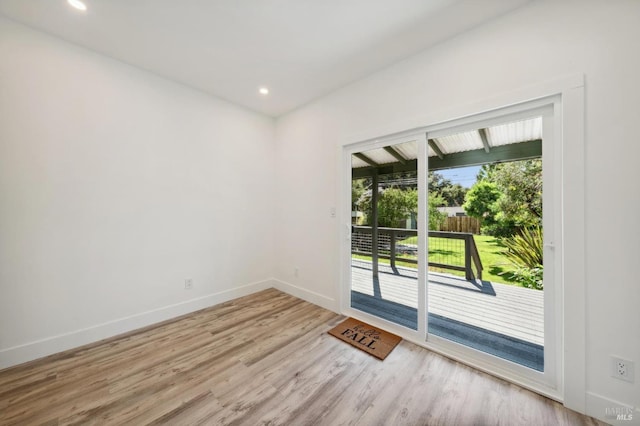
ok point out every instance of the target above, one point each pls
(300, 49)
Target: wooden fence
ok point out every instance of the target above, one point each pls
(461, 224)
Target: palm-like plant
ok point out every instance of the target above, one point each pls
(525, 254)
(525, 248)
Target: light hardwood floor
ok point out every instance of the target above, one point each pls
(261, 359)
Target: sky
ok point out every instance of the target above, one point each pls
(465, 176)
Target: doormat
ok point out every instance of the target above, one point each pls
(368, 338)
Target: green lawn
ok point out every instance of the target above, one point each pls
(490, 254)
(492, 259)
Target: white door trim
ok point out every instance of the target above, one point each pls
(572, 277)
(417, 135)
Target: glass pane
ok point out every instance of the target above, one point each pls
(384, 239)
(485, 243)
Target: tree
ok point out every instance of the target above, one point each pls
(519, 204)
(452, 194)
(521, 184)
(398, 198)
(480, 201)
(396, 205)
(357, 190)
(436, 217)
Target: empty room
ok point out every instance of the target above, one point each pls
(411, 212)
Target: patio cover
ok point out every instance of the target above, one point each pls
(518, 140)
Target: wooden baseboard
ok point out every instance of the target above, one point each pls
(308, 295)
(610, 411)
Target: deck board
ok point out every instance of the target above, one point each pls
(509, 310)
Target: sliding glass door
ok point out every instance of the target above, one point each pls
(452, 238)
(487, 264)
(385, 258)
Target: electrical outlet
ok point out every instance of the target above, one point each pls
(188, 284)
(622, 369)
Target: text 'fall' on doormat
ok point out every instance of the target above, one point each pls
(370, 339)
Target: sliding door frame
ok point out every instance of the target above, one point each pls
(567, 95)
(550, 378)
(419, 136)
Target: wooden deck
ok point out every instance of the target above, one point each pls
(514, 314)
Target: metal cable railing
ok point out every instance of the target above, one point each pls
(448, 250)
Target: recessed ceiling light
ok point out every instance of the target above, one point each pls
(77, 4)
(263, 91)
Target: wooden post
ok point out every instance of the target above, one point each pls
(467, 259)
(392, 247)
(374, 223)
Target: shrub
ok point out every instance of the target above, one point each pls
(524, 252)
(525, 248)
(528, 277)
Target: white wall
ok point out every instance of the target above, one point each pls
(115, 186)
(543, 41)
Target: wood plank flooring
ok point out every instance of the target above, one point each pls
(260, 359)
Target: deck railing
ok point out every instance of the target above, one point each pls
(447, 248)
